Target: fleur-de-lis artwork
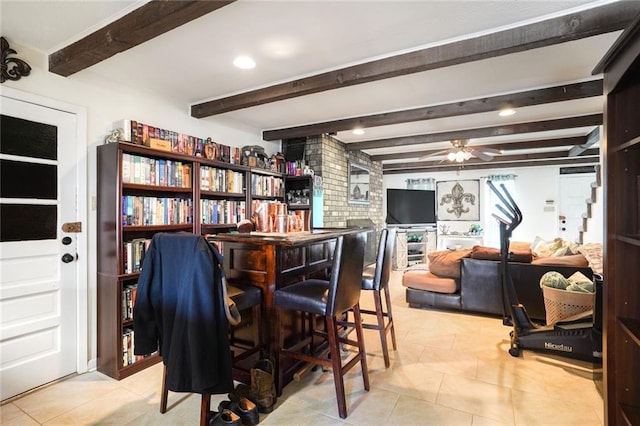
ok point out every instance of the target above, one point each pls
(458, 200)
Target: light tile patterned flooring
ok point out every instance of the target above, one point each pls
(450, 369)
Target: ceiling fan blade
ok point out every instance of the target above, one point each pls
(435, 154)
(489, 150)
(481, 155)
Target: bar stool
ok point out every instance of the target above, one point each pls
(330, 299)
(245, 297)
(377, 281)
(179, 310)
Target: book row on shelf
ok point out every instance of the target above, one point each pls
(151, 171)
(128, 301)
(144, 134)
(140, 210)
(128, 357)
(133, 254)
(267, 186)
(219, 180)
(215, 212)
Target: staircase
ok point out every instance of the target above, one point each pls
(590, 205)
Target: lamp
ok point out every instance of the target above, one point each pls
(459, 152)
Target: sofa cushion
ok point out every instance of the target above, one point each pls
(593, 253)
(446, 263)
(556, 247)
(575, 260)
(518, 254)
(425, 280)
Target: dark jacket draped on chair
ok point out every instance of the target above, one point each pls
(180, 309)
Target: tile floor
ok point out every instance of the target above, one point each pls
(449, 369)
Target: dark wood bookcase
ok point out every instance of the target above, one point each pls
(113, 231)
(299, 195)
(621, 68)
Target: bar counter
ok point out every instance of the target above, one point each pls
(271, 261)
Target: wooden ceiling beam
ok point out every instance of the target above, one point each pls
(587, 23)
(547, 95)
(530, 160)
(482, 132)
(552, 162)
(592, 138)
(535, 144)
(148, 21)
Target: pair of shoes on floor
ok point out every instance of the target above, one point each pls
(246, 410)
(262, 391)
(223, 418)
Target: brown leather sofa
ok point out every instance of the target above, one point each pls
(479, 288)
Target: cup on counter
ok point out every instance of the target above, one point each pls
(282, 223)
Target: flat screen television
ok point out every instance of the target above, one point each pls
(411, 206)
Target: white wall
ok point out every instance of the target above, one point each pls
(105, 103)
(534, 186)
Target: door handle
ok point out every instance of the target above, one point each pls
(66, 258)
(563, 229)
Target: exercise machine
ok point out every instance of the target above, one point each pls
(579, 337)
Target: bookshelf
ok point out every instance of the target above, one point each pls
(142, 191)
(621, 68)
(299, 197)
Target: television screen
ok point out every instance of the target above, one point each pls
(411, 206)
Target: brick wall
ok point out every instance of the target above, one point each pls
(328, 157)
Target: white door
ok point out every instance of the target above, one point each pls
(574, 191)
(38, 268)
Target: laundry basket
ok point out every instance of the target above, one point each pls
(561, 304)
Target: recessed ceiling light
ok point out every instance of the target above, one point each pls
(244, 62)
(506, 112)
(358, 131)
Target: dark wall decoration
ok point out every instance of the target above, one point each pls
(458, 200)
(358, 184)
(11, 68)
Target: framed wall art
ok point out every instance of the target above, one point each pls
(358, 184)
(458, 200)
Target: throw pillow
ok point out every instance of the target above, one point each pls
(575, 260)
(521, 255)
(593, 253)
(543, 248)
(446, 263)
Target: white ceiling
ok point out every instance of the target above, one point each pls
(291, 39)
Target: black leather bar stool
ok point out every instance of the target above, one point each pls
(330, 299)
(245, 297)
(377, 281)
(180, 310)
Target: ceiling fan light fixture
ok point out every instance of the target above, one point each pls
(506, 112)
(451, 156)
(460, 156)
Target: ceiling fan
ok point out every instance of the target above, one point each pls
(461, 152)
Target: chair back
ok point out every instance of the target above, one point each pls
(346, 275)
(383, 261)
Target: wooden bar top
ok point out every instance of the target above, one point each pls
(284, 239)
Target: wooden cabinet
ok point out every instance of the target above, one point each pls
(413, 245)
(299, 197)
(142, 191)
(621, 67)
